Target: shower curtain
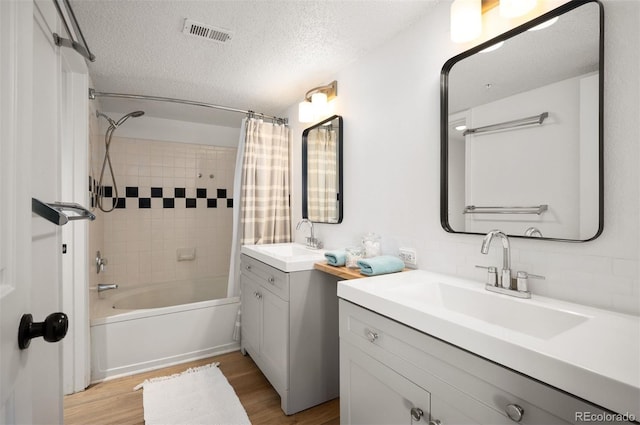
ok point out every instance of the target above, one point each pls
(261, 190)
(321, 177)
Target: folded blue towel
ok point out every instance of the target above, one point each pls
(380, 265)
(336, 258)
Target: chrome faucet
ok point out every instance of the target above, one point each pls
(505, 275)
(506, 285)
(312, 241)
(105, 287)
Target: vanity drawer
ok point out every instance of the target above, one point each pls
(444, 369)
(269, 277)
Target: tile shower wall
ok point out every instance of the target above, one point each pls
(171, 196)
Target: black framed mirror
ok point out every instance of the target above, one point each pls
(322, 194)
(521, 130)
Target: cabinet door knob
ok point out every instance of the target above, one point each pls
(514, 412)
(248, 267)
(371, 335)
(271, 280)
(435, 422)
(416, 413)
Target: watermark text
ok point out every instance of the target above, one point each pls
(604, 417)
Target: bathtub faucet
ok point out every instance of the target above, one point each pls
(106, 287)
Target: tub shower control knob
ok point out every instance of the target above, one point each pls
(514, 412)
(53, 329)
(100, 263)
(416, 413)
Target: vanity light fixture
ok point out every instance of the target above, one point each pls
(466, 15)
(515, 8)
(466, 20)
(315, 105)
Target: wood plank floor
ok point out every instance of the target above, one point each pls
(115, 402)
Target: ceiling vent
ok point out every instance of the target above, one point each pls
(208, 32)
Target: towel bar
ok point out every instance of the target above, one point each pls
(54, 211)
(538, 209)
(536, 119)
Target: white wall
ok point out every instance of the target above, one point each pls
(533, 165)
(390, 104)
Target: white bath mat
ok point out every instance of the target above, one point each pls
(199, 395)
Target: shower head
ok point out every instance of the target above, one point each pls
(134, 114)
(117, 124)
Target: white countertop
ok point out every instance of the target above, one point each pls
(288, 257)
(598, 359)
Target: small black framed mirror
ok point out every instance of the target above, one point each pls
(522, 130)
(322, 193)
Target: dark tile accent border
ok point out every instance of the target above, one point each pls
(131, 192)
(144, 201)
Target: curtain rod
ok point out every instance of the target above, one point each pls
(93, 94)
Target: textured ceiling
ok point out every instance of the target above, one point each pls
(279, 50)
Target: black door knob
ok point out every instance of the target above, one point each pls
(53, 329)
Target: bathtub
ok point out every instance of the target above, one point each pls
(158, 325)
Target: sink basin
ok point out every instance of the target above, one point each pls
(589, 352)
(523, 316)
(518, 315)
(288, 257)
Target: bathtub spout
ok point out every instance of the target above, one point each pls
(106, 287)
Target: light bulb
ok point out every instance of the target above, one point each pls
(515, 8)
(320, 105)
(466, 20)
(305, 112)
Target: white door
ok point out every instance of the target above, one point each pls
(30, 379)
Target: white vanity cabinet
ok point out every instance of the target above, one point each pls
(393, 374)
(290, 329)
